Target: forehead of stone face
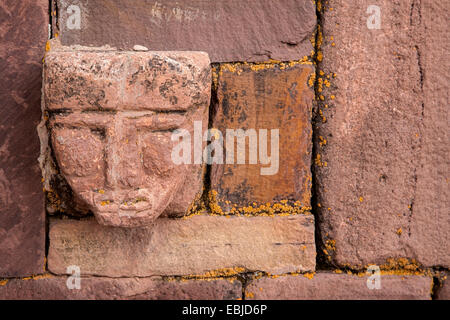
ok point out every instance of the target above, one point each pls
(128, 81)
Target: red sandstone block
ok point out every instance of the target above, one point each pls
(272, 97)
(23, 32)
(228, 30)
(56, 288)
(382, 152)
(329, 286)
(192, 246)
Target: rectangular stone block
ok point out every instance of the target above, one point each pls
(382, 139)
(112, 129)
(443, 293)
(274, 98)
(113, 80)
(97, 288)
(196, 245)
(228, 30)
(23, 32)
(329, 286)
(430, 218)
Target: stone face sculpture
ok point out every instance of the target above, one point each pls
(111, 117)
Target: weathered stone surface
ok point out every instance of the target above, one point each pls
(55, 288)
(443, 293)
(329, 286)
(113, 139)
(382, 153)
(430, 222)
(23, 32)
(274, 97)
(195, 245)
(228, 30)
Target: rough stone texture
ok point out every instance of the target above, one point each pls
(443, 293)
(382, 176)
(228, 30)
(269, 98)
(328, 286)
(184, 246)
(430, 226)
(112, 118)
(23, 32)
(55, 288)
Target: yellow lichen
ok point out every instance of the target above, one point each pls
(309, 275)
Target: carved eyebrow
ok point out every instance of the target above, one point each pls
(160, 121)
(83, 120)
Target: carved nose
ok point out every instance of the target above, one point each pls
(123, 160)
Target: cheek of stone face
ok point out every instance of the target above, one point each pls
(79, 153)
(156, 153)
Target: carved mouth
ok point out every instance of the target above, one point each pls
(138, 204)
(108, 203)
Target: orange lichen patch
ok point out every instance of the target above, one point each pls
(324, 119)
(53, 200)
(309, 275)
(318, 5)
(38, 277)
(238, 67)
(399, 231)
(47, 46)
(225, 272)
(338, 271)
(312, 80)
(213, 204)
(197, 207)
(319, 56)
(361, 199)
(397, 267)
(401, 264)
(215, 76)
(330, 245)
(3, 282)
(319, 163)
(269, 209)
(228, 273)
(249, 295)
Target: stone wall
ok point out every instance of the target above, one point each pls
(356, 207)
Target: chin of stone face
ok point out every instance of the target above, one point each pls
(112, 119)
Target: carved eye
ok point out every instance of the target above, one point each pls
(79, 151)
(156, 152)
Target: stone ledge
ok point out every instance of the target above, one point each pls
(155, 288)
(330, 286)
(192, 246)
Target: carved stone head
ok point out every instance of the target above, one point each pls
(111, 118)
